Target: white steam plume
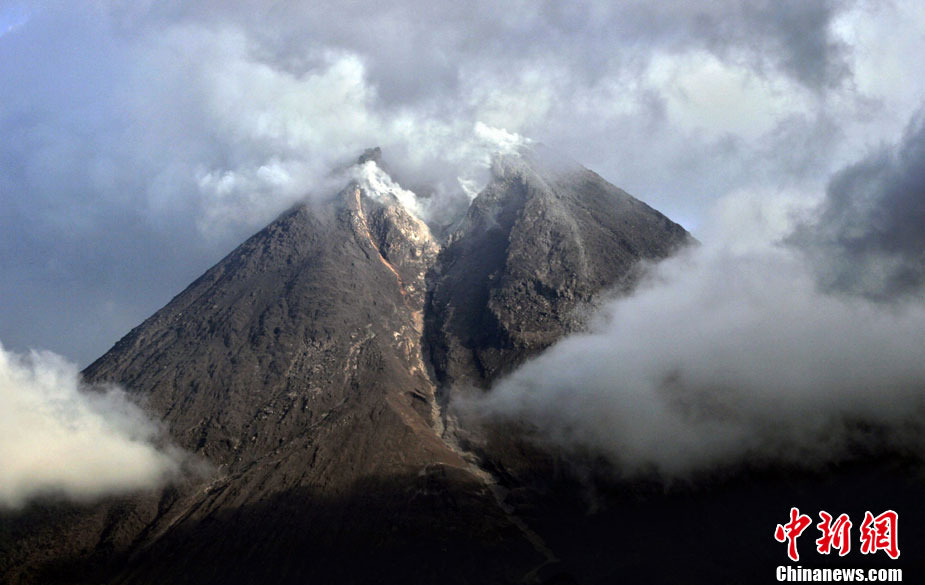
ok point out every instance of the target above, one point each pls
(60, 438)
(239, 136)
(377, 183)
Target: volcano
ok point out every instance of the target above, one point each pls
(311, 369)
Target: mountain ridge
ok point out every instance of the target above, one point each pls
(311, 368)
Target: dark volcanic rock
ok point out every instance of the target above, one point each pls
(317, 316)
(537, 246)
(294, 366)
(304, 367)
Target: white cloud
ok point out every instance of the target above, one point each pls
(61, 438)
(707, 94)
(885, 38)
(250, 135)
(728, 354)
(171, 131)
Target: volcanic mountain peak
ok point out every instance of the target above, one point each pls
(310, 364)
(542, 241)
(534, 161)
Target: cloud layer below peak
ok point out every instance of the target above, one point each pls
(794, 334)
(60, 438)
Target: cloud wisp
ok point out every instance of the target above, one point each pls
(746, 349)
(60, 438)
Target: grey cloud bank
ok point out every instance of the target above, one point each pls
(763, 345)
(869, 235)
(723, 358)
(142, 141)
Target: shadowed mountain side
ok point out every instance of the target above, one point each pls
(544, 242)
(409, 528)
(722, 530)
(536, 247)
(640, 533)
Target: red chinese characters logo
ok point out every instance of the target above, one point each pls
(880, 533)
(790, 531)
(877, 533)
(834, 535)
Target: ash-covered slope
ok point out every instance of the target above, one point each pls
(319, 313)
(536, 248)
(305, 367)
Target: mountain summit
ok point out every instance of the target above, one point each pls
(310, 368)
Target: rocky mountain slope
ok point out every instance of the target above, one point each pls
(310, 369)
(540, 243)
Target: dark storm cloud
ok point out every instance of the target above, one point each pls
(791, 34)
(142, 140)
(869, 234)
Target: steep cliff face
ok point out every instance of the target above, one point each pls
(308, 368)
